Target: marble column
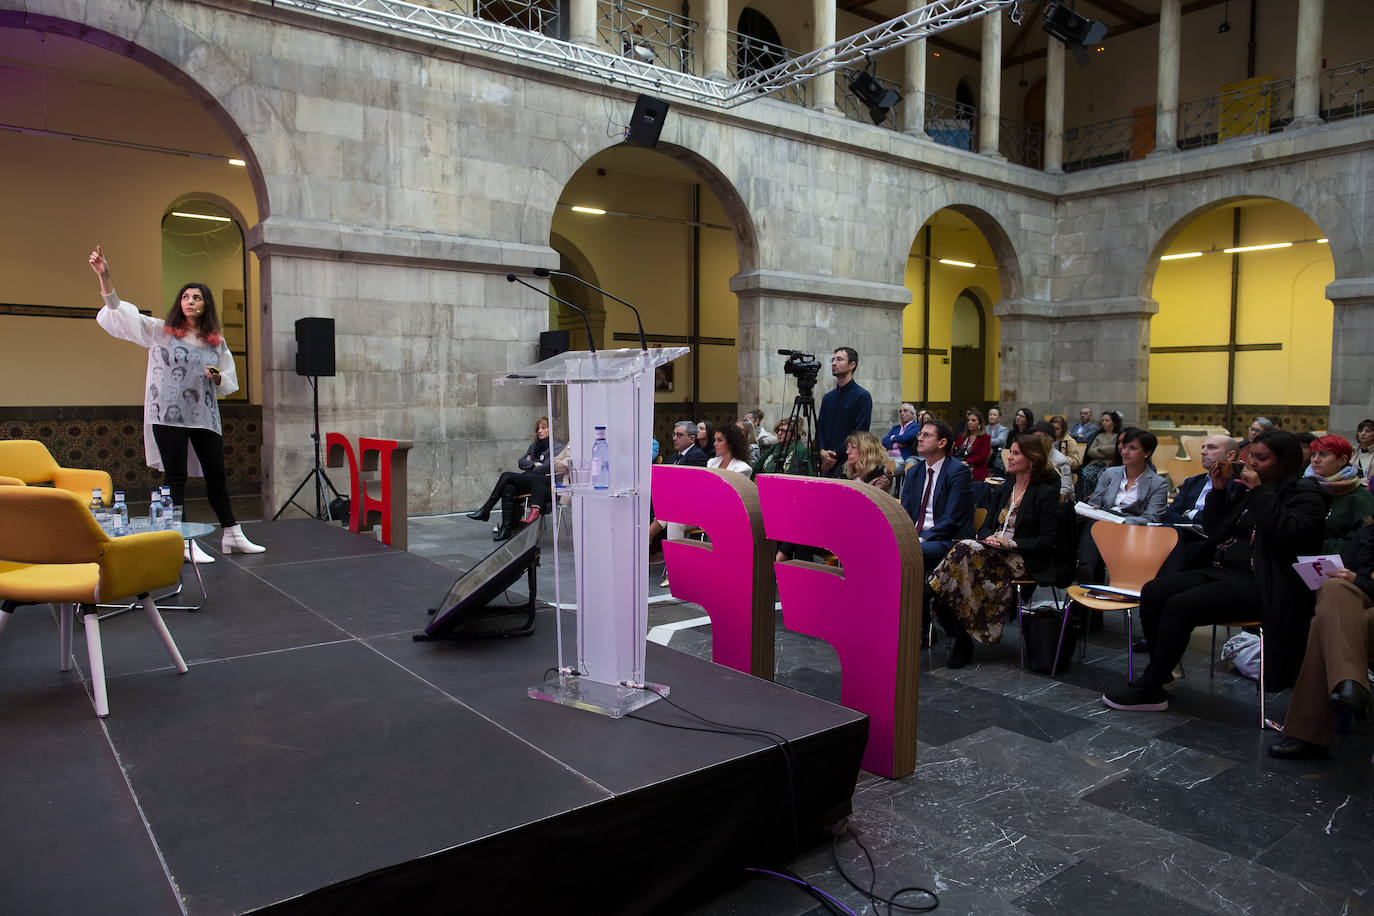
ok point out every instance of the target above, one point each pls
(1352, 353)
(990, 88)
(823, 33)
(715, 55)
(1308, 72)
(582, 22)
(914, 82)
(1166, 87)
(1054, 107)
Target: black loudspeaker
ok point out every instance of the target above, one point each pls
(647, 122)
(315, 346)
(552, 343)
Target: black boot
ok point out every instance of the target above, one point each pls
(508, 519)
(484, 513)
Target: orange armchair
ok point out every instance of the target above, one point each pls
(53, 552)
(30, 461)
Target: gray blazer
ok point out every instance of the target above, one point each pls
(1148, 507)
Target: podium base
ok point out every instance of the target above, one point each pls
(614, 700)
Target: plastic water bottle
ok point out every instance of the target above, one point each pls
(101, 513)
(168, 513)
(156, 521)
(601, 461)
(119, 515)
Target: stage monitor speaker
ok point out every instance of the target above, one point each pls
(647, 122)
(465, 612)
(315, 346)
(552, 343)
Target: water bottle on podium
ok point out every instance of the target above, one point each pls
(601, 461)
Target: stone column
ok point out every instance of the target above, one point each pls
(1352, 351)
(715, 22)
(990, 90)
(1166, 88)
(783, 310)
(1054, 107)
(1307, 81)
(823, 33)
(914, 82)
(582, 22)
(1044, 345)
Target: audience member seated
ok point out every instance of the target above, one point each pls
(1186, 509)
(973, 585)
(1065, 444)
(706, 436)
(1363, 459)
(1351, 505)
(1334, 678)
(685, 452)
(1084, 430)
(751, 442)
(901, 439)
(1305, 439)
(866, 461)
(1245, 573)
(730, 451)
(1021, 424)
(938, 493)
(766, 439)
(1132, 488)
(1058, 461)
(1100, 453)
(533, 464)
(997, 434)
(1259, 426)
(787, 455)
(973, 446)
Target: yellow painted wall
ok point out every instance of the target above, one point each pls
(74, 195)
(954, 237)
(647, 260)
(1280, 300)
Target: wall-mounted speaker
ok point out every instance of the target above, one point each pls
(647, 122)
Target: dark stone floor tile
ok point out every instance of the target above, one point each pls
(1302, 795)
(1217, 822)
(1111, 745)
(1051, 768)
(1087, 890)
(1331, 861)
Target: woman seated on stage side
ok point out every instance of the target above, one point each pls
(511, 484)
(1351, 504)
(972, 587)
(867, 461)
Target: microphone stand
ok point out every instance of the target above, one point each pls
(591, 344)
(545, 272)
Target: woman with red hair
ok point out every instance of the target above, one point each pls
(1351, 504)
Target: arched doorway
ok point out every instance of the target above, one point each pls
(968, 364)
(1243, 328)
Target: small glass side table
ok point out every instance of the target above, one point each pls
(189, 532)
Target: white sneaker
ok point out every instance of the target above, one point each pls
(235, 539)
(194, 554)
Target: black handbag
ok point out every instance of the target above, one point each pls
(1040, 629)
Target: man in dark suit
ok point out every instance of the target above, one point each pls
(1186, 509)
(938, 494)
(686, 452)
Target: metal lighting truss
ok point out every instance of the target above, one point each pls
(526, 47)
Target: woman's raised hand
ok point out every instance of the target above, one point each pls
(102, 269)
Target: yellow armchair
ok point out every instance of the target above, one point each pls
(31, 462)
(53, 552)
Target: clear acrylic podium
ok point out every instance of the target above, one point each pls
(614, 389)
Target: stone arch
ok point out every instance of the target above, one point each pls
(573, 260)
(715, 181)
(991, 224)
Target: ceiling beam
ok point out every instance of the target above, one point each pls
(1124, 10)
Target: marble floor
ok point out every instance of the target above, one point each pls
(1029, 796)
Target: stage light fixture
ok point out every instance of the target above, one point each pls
(879, 99)
(1074, 30)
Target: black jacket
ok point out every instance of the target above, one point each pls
(1290, 520)
(1043, 535)
(1359, 556)
(693, 457)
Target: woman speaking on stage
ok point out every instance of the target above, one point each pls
(188, 365)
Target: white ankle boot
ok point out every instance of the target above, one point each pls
(194, 554)
(234, 539)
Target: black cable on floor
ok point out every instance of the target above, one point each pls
(871, 894)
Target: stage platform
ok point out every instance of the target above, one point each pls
(316, 759)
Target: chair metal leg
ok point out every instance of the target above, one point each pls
(1260, 683)
(6, 613)
(91, 621)
(158, 624)
(1021, 625)
(66, 614)
(1130, 660)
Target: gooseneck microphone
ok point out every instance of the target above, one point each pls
(591, 344)
(545, 272)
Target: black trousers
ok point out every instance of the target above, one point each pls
(1172, 606)
(209, 446)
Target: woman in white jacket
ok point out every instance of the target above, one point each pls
(188, 363)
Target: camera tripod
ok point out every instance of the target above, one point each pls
(804, 412)
(316, 474)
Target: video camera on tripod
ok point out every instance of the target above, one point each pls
(802, 365)
(802, 422)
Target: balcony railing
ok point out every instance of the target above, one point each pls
(540, 16)
(1348, 90)
(1249, 112)
(1102, 143)
(650, 34)
(951, 123)
(749, 55)
(1020, 142)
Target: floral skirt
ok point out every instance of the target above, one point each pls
(975, 582)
